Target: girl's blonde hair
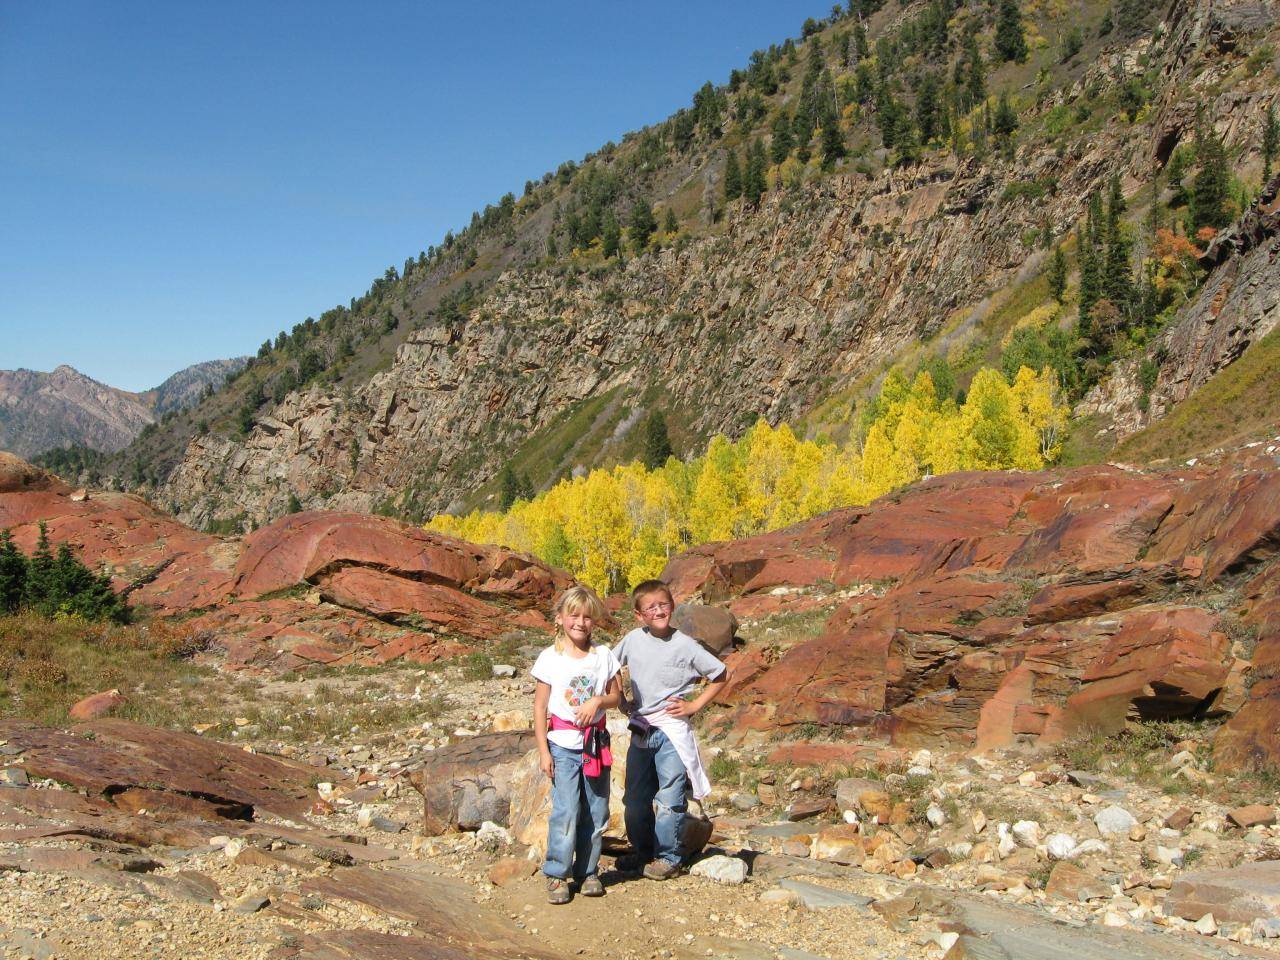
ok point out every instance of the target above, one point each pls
(573, 600)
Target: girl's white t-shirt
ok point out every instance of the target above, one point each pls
(574, 681)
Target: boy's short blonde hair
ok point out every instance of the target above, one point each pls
(576, 599)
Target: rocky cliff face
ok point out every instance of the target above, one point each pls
(812, 293)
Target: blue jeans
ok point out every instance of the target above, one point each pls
(579, 815)
(655, 800)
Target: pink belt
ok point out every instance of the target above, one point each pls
(597, 758)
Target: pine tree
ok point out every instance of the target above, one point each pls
(642, 224)
(1211, 187)
(1270, 143)
(781, 144)
(508, 488)
(610, 236)
(13, 574)
(975, 74)
(1090, 281)
(39, 586)
(294, 505)
(927, 107)
(1011, 39)
(669, 223)
(732, 178)
(832, 142)
(1107, 24)
(1117, 274)
(657, 444)
(1005, 121)
(524, 487)
(1058, 275)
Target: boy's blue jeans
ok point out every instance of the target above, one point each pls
(655, 779)
(579, 815)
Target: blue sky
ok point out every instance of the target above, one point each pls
(180, 181)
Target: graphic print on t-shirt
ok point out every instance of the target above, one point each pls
(580, 689)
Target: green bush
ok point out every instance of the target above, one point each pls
(55, 584)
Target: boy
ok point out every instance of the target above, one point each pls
(664, 665)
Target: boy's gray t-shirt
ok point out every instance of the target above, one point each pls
(663, 669)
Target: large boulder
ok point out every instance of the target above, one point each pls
(713, 627)
(471, 781)
(1240, 894)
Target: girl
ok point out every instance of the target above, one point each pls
(577, 682)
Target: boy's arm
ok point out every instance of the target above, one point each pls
(542, 697)
(687, 708)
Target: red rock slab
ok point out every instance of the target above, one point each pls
(1092, 519)
(1231, 517)
(1251, 738)
(385, 595)
(107, 756)
(913, 532)
(179, 568)
(1239, 894)
(799, 555)
(1078, 597)
(761, 606)
(1162, 663)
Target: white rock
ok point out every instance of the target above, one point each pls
(1169, 855)
(936, 815)
(850, 816)
(1007, 845)
(1114, 821)
(492, 833)
(219, 841)
(1207, 925)
(365, 815)
(326, 790)
(721, 869)
(1085, 847)
(1028, 778)
(1181, 759)
(961, 850)
(979, 821)
(1060, 846)
(1027, 833)
(922, 758)
(1113, 919)
(919, 772)
(504, 670)
(233, 847)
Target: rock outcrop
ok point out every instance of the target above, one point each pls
(990, 608)
(314, 587)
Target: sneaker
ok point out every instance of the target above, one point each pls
(558, 891)
(631, 863)
(592, 887)
(663, 870)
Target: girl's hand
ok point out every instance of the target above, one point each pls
(585, 714)
(546, 764)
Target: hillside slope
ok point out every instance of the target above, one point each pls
(528, 339)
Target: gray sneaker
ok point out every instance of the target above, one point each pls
(663, 870)
(558, 891)
(592, 887)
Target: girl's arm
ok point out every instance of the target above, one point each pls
(585, 714)
(541, 697)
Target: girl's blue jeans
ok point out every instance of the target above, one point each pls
(654, 802)
(579, 815)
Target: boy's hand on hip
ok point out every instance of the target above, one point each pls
(585, 713)
(680, 708)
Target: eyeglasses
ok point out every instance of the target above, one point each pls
(657, 607)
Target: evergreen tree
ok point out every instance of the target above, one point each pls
(1211, 187)
(508, 488)
(1130, 16)
(1107, 24)
(642, 224)
(13, 574)
(1270, 142)
(1117, 275)
(1058, 275)
(294, 505)
(732, 178)
(927, 108)
(832, 142)
(669, 223)
(1005, 121)
(1011, 39)
(524, 487)
(781, 144)
(1090, 281)
(39, 586)
(610, 236)
(975, 74)
(657, 444)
